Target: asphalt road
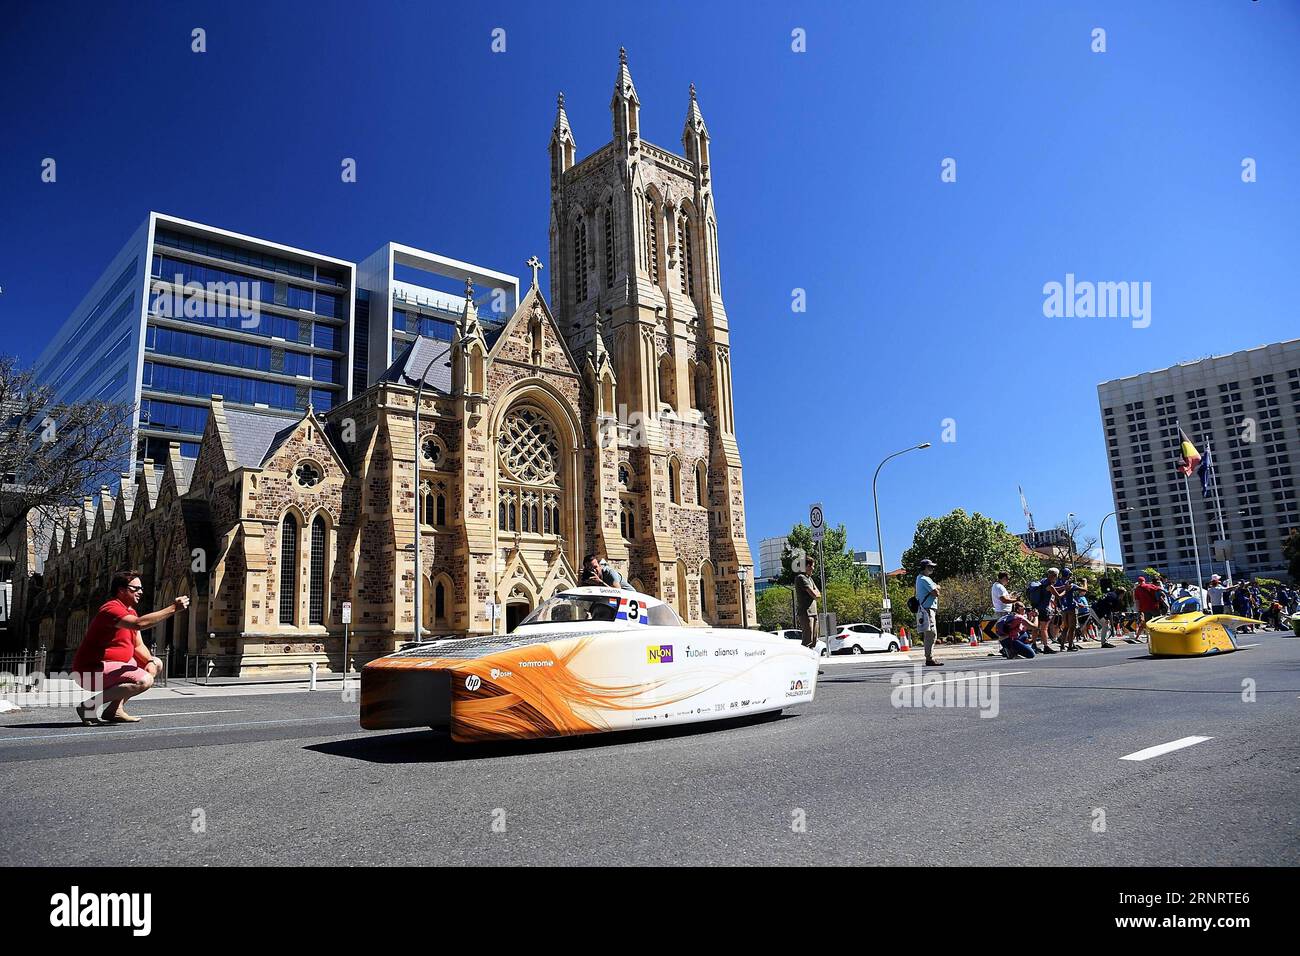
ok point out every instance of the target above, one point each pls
(291, 779)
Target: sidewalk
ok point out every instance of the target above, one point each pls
(946, 652)
(70, 692)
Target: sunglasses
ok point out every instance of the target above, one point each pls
(132, 587)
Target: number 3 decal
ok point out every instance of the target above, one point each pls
(632, 610)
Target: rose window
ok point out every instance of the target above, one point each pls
(307, 475)
(528, 448)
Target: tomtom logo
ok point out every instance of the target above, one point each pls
(74, 909)
(473, 682)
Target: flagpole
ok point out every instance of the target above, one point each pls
(1218, 509)
(1191, 520)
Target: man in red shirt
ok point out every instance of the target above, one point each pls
(112, 659)
(1147, 598)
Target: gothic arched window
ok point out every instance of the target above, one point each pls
(316, 583)
(674, 489)
(652, 240)
(609, 243)
(289, 570)
(580, 259)
(687, 256)
(529, 474)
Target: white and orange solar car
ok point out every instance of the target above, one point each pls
(589, 660)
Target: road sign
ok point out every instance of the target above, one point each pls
(817, 521)
(493, 610)
(347, 612)
(886, 621)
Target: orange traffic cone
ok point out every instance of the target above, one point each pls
(974, 641)
(902, 640)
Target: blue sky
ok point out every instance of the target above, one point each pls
(924, 298)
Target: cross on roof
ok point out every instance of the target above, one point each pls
(534, 263)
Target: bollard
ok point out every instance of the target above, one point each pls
(313, 676)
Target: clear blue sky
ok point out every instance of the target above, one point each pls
(924, 298)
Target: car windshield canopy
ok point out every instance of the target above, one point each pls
(574, 608)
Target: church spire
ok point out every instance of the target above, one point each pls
(469, 319)
(695, 138)
(626, 106)
(563, 147)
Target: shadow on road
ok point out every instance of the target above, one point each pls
(426, 746)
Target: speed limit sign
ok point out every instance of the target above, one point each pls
(817, 521)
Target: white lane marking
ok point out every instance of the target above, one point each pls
(1159, 749)
(953, 680)
(190, 713)
(140, 730)
(1242, 647)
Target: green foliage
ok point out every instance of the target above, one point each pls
(963, 544)
(1291, 551)
(839, 563)
(774, 608)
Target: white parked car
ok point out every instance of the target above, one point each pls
(794, 634)
(861, 639)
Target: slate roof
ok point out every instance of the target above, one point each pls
(410, 365)
(255, 435)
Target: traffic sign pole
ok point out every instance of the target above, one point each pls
(817, 520)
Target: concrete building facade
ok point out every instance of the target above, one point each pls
(1245, 409)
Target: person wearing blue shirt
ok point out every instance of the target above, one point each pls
(927, 600)
(1068, 604)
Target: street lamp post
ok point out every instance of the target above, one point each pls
(419, 395)
(742, 573)
(880, 541)
(1113, 514)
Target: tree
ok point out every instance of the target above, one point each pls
(51, 455)
(1291, 551)
(969, 544)
(774, 608)
(839, 563)
(1075, 550)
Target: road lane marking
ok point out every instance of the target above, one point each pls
(1159, 749)
(953, 680)
(140, 730)
(190, 713)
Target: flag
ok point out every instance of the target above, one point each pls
(1189, 456)
(1206, 471)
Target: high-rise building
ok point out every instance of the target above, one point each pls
(403, 292)
(186, 311)
(1244, 408)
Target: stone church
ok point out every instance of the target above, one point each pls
(600, 422)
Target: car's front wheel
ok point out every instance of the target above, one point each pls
(892, 647)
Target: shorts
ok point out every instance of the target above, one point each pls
(123, 672)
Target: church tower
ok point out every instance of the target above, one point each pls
(634, 254)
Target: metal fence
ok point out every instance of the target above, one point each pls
(19, 670)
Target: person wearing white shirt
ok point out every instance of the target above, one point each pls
(1217, 594)
(1003, 599)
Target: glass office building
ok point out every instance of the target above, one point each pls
(186, 311)
(404, 292)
